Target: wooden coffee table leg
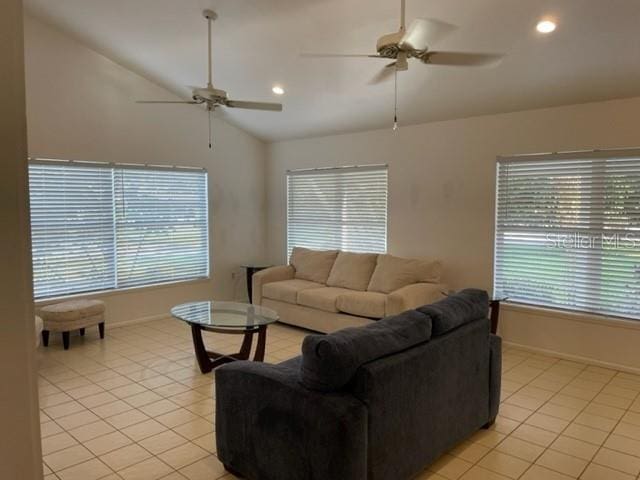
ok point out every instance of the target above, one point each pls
(208, 360)
(262, 338)
(245, 348)
(201, 353)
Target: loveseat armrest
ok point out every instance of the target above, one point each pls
(270, 427)
(413, 296)
(268, 275)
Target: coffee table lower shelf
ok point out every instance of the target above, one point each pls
(208, 360)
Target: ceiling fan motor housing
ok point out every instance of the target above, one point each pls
(210, 95)
(387, 45)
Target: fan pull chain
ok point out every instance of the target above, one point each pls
(209, 109)
(395, 101)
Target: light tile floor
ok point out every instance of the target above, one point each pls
(134, 406)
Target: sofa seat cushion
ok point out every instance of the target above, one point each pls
(325, 298)
(312, 265)
(330, 361)
(363, 304)
(287, 290)
(352, 270)
(456, 310)
(392, 273)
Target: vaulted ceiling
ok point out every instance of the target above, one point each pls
(593, 55)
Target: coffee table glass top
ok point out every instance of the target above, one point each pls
(224, 314)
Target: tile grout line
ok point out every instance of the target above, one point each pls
(565, 428)
(626, 410)
(523, 361)
(157, 363)
(190, 388)
(558, 434)
(532, 463)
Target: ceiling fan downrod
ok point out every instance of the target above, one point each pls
(210, 15)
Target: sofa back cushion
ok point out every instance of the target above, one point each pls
(352, 270)
(330, 361)
(392, 273)
(457, 309)
(312, 265)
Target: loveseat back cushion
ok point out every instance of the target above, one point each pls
(330, 361)
(363, 304)
(352, 270)
(312, 265)
(392, 273)
(457, 309)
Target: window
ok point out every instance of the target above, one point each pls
(99, 227)
(338, 208)
(567, 231)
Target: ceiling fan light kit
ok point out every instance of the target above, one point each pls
(213, 97)
(415, 42)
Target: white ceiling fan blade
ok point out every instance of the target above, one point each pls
(167, 101)
(338, 55)
(424, 32)
(384, 74)
(461, 59)
(271, 107)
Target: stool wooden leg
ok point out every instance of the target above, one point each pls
(82, 332)
(45, 338)
(101, 329)
(65, 340)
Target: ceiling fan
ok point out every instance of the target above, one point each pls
(212, 97)
(415, 42)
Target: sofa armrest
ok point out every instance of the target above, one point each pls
(268, 426)
(413, 296)
(268, 275)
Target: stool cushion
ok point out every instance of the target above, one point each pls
(71, 310)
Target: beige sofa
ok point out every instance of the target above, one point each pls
(329, 290)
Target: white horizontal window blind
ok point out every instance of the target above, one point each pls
(338, 208)
(161, 226)
(567, 232)
(71, 229)
(106, 227)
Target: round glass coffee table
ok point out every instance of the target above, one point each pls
(226, 317)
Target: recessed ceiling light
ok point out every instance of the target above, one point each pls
(278, 90)
(546, 26)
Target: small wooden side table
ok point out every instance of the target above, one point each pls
(251, 269)
(494, 305)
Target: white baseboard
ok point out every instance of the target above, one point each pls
(136, 321)
(576, 358)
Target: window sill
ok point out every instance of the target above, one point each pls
(580, 317)
(120, 291)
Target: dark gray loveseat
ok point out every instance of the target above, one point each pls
(378, 402)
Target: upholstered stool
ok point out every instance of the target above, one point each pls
(72, 315)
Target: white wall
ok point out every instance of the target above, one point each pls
(20, 454)
(80, 105)
(441, 200)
